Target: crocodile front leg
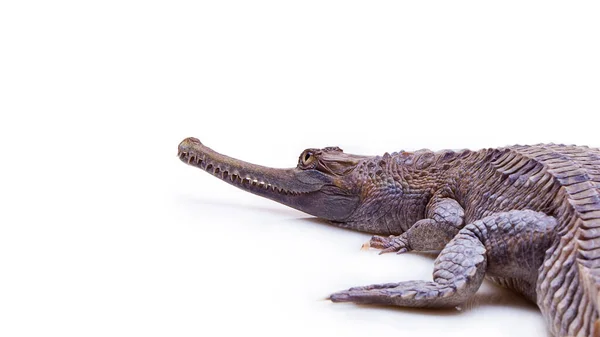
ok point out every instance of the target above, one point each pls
(444, 219)
(497, 244)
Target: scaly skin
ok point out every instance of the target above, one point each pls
(526, 217)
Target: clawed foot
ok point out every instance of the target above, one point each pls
(366, 294)
(404, 294)
(398, 244)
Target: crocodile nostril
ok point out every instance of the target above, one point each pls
(188, 143)
(193, 140)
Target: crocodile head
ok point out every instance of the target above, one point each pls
(322, 184)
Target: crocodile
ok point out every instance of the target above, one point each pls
(526, 217)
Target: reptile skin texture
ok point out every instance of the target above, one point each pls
(525, 217)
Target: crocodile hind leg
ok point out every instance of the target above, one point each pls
(503, 244)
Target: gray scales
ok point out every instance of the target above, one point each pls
(525, 217)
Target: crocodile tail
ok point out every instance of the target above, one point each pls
(590, 278)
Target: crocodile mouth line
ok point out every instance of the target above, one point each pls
(231, 175)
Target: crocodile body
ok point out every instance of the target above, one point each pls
(525, 217)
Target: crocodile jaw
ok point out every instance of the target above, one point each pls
(309, 191)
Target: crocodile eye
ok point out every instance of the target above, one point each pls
(307, 158)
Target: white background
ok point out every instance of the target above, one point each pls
(103, 232)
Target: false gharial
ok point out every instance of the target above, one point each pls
(525, 217)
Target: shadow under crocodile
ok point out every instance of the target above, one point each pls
(489, 295)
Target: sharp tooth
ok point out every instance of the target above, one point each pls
(190, 158)
(198, 160)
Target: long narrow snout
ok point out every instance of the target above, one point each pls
(250, 177)
(237, 172)
(306, 190)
